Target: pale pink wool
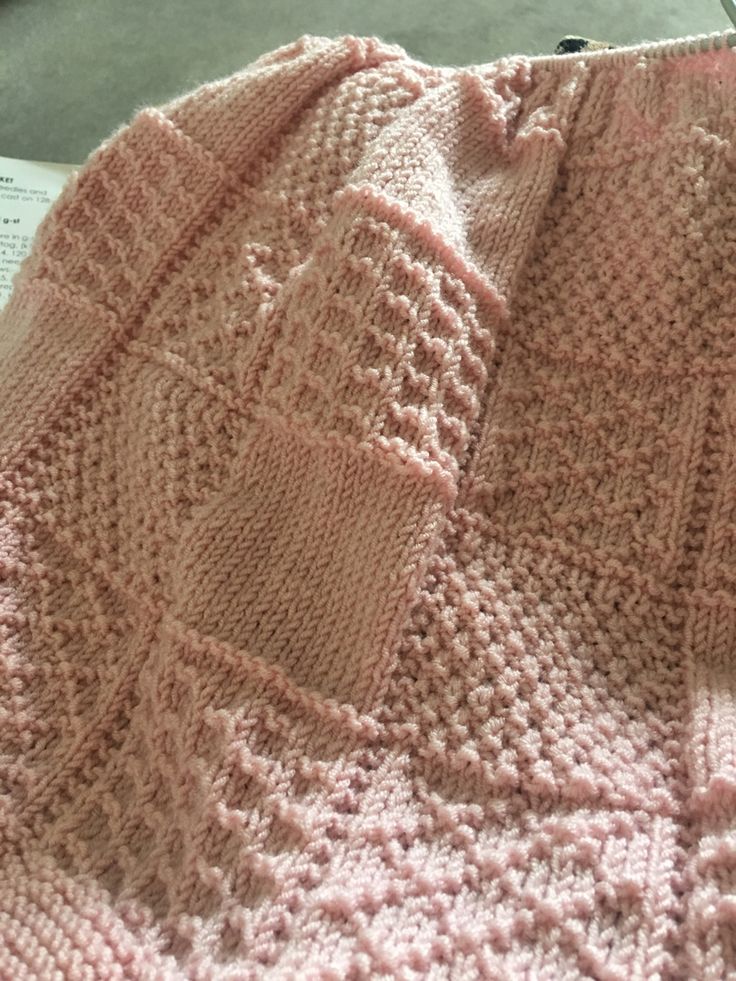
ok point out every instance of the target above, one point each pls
(368, 529)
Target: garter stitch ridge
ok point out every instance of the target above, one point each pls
(368, 528)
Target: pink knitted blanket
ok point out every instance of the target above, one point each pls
(368, 528)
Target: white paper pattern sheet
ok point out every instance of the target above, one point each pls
(28, 188)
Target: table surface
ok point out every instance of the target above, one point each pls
(72, 72)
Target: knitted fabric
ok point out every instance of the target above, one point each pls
(368, 528)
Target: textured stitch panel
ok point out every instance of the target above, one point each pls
(68, 645)
(94, 264)
(562, 694)
(598, 283)
(210, 308)
(375, 342)
(128, 194)
(641, 110)
(597, 458)
(134, 440)
(605, 397)
(187, 826)
(482, 891)
(246, 114)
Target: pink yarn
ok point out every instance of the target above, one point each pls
(368, 528)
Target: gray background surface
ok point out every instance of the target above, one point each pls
(71, 71)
